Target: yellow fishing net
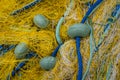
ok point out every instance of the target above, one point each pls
(20, 28)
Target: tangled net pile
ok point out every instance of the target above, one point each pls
(20, 28)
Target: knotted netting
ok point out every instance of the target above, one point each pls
(18, 28)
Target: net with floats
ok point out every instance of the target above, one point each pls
(18, 28)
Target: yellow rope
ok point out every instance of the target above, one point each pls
(20, 28)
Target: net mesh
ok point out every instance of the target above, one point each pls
(20, 28)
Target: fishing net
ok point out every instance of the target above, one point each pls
(20, 28)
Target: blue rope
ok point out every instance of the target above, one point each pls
(55, 51)
(88, 13)
(89, 4)
(91, 9)
(9, 48)
(21, 64)
(80, 66)
(116, 11)
(1, 47)
(115, 14)
(110, 20)
(3, 51)
(106, 27)
(25, 7)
